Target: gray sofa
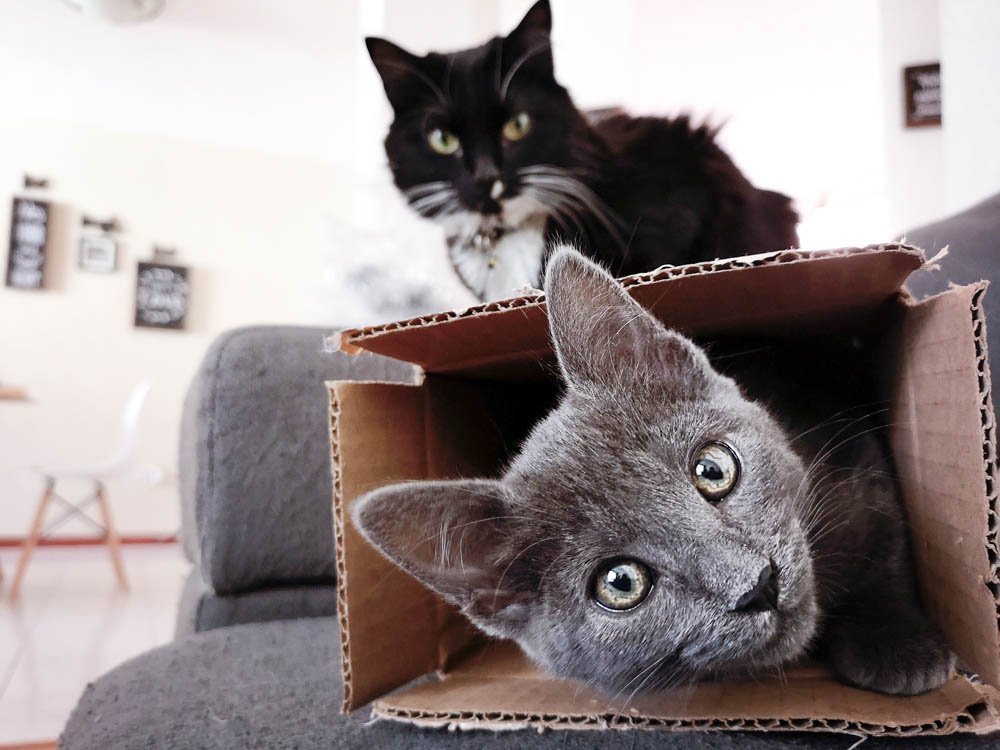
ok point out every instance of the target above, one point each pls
(256, 659)
(255, 477)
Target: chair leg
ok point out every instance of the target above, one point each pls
(114, 545)
(32, 539)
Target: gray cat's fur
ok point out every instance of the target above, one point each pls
(607, 474)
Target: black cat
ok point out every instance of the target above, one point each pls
(487, 142)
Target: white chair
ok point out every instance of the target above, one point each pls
(97, 473)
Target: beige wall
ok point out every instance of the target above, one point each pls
(970, 98)
(252, 228)
(810, 92)
(914, 156)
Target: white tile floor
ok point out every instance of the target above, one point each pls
(72, 624)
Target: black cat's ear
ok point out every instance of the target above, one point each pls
(450, 535)
(537, 19)
(605, 339)
(527, 50)
(401, 72)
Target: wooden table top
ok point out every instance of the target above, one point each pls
(13, 393)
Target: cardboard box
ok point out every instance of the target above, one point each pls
(458, 423)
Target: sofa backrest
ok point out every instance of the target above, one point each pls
(254, 456)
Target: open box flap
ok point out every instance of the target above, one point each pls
(944, 446)
(498, 687)
(383, 433)
(762, 293)
(392, 628)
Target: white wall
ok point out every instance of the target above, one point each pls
(270, 76)
(914, 156)
(251, 226)
(970, 90)
(241, 132)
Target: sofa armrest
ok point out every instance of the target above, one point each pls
(254, 456)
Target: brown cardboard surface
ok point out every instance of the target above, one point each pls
(945, 452)
(385, 427)
(393, 629)
(498, 685)
(764, 294)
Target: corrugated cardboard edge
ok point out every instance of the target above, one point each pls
(988, 417)
(980, 717)
(338, 546)
(351, 341)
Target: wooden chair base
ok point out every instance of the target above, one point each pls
(39, 531)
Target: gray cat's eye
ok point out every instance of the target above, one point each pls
(715, 470)
(621, 584)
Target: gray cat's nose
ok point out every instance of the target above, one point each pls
(763, 597)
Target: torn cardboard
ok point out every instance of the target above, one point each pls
(478, 363)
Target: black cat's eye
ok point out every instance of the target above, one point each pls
(443, 141)
(715, 470)
(621, 584)
(517, 126)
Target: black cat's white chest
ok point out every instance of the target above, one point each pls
(494, 270)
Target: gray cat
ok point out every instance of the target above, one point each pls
(662, 525)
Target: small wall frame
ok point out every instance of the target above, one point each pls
(98, 253)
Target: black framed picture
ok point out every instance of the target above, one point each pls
(922, 93)
(161, 295)
(98, 253)
(29, 233)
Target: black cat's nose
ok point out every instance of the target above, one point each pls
(489, 185)
(763, 597)
(485, 170)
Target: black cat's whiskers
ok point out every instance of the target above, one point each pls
(435, 199)
(555, 185)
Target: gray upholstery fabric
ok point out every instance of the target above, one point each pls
(973, 240)
(201, 609)
(187, 462)
(254, 456)
(277, 685)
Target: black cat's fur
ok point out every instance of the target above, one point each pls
(634, 193)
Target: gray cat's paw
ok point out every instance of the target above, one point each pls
(898, 660)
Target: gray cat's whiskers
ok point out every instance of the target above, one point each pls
(824, 452)
(651, 670)
(496, 592)
(833, 419)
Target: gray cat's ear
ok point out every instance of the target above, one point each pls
(449, 535)
(400, 70)
(605, 339)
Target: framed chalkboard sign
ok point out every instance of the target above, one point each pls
(29, 233)
(922, 89)
(161, 295)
